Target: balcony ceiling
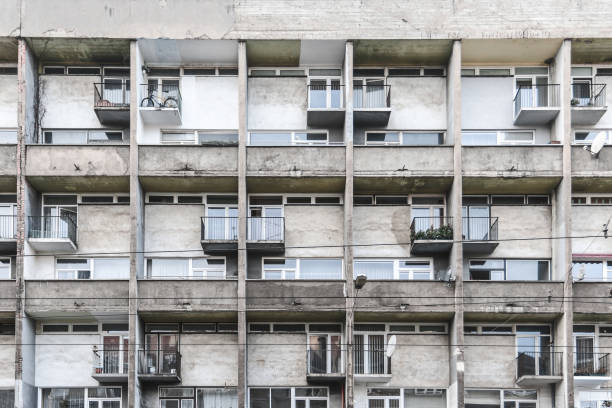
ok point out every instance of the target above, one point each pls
(8, 50)
(592, 51)
(509, 52)
(292, 53)
(189, 52)
(81, 51)
(401, 52)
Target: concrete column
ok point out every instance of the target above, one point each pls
(456, 350)
(27, 99)
(348, 221)
(242, 223)
(562, 207)
(136, 228)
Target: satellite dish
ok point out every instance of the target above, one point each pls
(391, 345)
(581, 274)
(598, 143)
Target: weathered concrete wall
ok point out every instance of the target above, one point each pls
(515, 222)
(186, 295)
(7, 295)
(65, 353)
(38, 267)
(512, 161)
(487, 103)
(295, 161)
(417, 103)
(312, 226)
(415, 296)
(175, 160)
(585, 165)
(381, 224)
(207, 103)
(587, 293)
(209, 359)
(67, 101)
(489, 366)
(268, 355)
(295, 295)
(404, 161)
(7, 361)
(77, 161)
(103, 228)
(8, 101)
(588, 221)
(277, 103)
(173, 228)
(8, 166)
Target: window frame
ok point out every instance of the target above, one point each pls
(401, 135)
(297, 268)
(397, 269)
(588, 142)
(500, 134)
(90, 263)
(190, 269)
(292, 135)
(504, 269)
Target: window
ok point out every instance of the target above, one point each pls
(211, 71)
(394, 269)
(509, 269)
(477, 138)
(384, 397)
(298, 397)
(302, 268)
(202, 137)
(7, 329)
(216, 398)
(5, 268)
(7, 397)
(592, 200)
(288, 138)
(414, 138)
(275, 72)
(63, 397)
(587, 136)
(8, 70)
(185, 268)
(592, 270)
(391, 200)
(324, 89)
(8, 136)
(104, 397)
(425, 397)
(92, 268)
(92, 136)
(176, 397)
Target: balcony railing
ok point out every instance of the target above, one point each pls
(162, 362)
(8, 226)
(321, 362)
(220, 228)
(372, 361)
(588, 364)
(112, 95)
(53, 227)
(266, 229)
(325, 96)
(539, 364)
(480, 229)
(536, 96)
(164, 96)
(431, 228)
(110, 362)
(371, 96)
(588, 95)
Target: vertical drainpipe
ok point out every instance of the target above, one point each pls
(348, 221)
(242, 224)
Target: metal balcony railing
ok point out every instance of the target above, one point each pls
(159, 362)
(431, 228)
(325, 96)
(588, 95)
(110, 362)
(480, 228)
(8, 227)
(53, 227)
(112, 95)
(536, 96)
(373, 361)
(588, 364)
(547, 363)
(325, 361)
(371, 96)
(166, 96)
(266, 229)
(220, 228)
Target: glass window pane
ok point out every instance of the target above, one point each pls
(169, 268)
(218, 398)
(429, 398)
(582, 71)
(178, 137)
(270, 139)
(321, 269)
(112, 268)
(588, 271)
(524, 269)
(478, 138)
(422, 138)
(281, 398)
(494, 72)
(66, 137)
(218, 138)
(382, 137)
(374, 269)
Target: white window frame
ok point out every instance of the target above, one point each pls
(478, 68)
(292, 134)
(87, 132)
(297, 269)
(397, 268)
(190, 269)
(92, 268)
(588, 142)
(401, 135)
(121, 351)
(500, 135)
(386, 398)
(588, 198)
(10, 268)
(606, 267)
(277, 71)
(293, 396)
(328, 350)
(328, 83)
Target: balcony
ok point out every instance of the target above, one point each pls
(110, 366)
(112, 103)
(219, 235)
(588, 103)
(371, 365)
(7, 298)
(187, 295)
(325, 366)
(53, 233)
(536, 105)
(160, 104)
(8, 166)
(536, 369)
(325, 105)
(479, 235)
(431, 235)
(159, 366)
(591, 369)
(371, 104)
(593, 290)
(8, 234)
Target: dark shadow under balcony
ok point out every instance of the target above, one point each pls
(159, 366)
(53, 233)
(536, 369)
(112, 102)
(479, 235)
(371, 104)
(536, 105)
(591, 369)
(110, 365)
(431, 235)
(325, 104)
(588, 103)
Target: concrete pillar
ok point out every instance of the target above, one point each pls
(242, 223)
(136, 228)
(456, 350)
(27, 99)
(348, 221)
(562, 207)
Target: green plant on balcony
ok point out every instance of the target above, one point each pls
(443, 232)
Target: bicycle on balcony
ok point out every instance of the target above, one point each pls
(157, 99)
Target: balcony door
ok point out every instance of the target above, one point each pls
(585, 363)
(114, 354)
(8, 214)
(60, 212)
(325, 93)
(427, 217)
(324, 353)
(222, 223)
(266, 223)
(476, 222)
(370, 355)
(532, 90)
(533, 351)
(161, 353)
(369, 93)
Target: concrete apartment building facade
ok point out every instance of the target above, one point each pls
(191, 193)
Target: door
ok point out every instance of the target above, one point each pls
(266, 224)
(427, 217)
(222, 223)
(376, 353)
(585, 363)
(59, 221)
(325, 94)
(168, 353)
(532, 91)
(7, 221)
(581, 92)
(318, 354)
(114, 91)
(476, 222)
(111, 358)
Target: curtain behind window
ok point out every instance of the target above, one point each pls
(217, 398)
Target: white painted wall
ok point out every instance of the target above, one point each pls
(67, 101)
(7, 361)
(58, 354)
(8, 101)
